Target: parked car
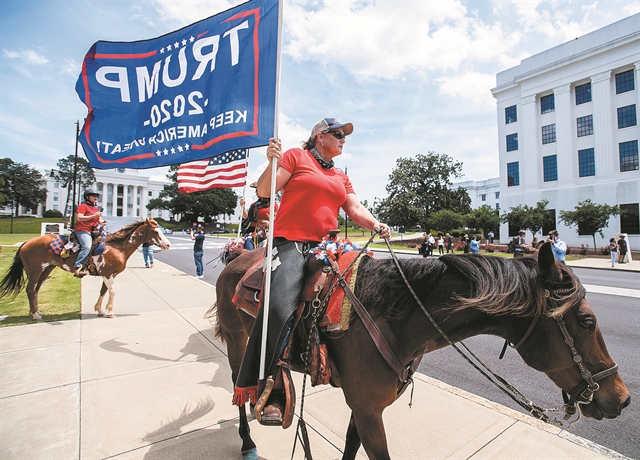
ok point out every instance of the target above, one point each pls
(220, 230)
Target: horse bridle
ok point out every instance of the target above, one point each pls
(584, 392)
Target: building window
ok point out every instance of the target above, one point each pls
(55, 196)
(510, 114)
(628, 156)
(626, 116)
(585, 126)
(549, 134)
(550, 168)
(483, 197)
(513, 173)
(629, 219)
(56, 185)
(547, 104)
(583, 93)
(624, 82)
(498, 206)
(55, 207)
(150, 193)
(497, 195)
(586, 162)
(512, 142)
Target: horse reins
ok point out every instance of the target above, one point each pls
(582, 394)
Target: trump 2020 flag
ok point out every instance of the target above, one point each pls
(226, 170)
(192, 94)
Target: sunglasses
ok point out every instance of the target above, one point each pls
(337, 134)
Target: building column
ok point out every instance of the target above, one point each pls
(103, 198)
(637, 66)
(528, 144)
(143, 202)
(606, 152)
(567, 158)
(125, 196)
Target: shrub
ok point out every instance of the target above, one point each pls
(52, 213)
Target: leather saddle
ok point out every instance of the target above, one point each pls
(249, 289)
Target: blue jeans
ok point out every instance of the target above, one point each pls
(147, 253)
(197, 257)
(85, 240)
(248, 243)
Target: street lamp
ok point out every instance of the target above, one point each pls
(75, 172)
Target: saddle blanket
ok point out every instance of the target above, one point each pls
(56, 245)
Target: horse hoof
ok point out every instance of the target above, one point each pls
(36, 317)
(250, 454)
(111, 315)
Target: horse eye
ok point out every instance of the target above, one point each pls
(588, 323)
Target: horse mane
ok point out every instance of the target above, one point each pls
(513, 286)
(122, 235)
(493, 285)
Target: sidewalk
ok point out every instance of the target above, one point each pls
(152, 383)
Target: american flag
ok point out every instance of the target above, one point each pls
(221, 171)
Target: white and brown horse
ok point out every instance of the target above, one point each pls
(34, 258)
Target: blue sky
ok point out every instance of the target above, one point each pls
(412, 76)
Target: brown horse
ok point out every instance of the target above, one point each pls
(34, 258)
(466, 296)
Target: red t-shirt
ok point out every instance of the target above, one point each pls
(311, 199)
(86, 210)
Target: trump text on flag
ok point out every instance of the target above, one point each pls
(195, 93)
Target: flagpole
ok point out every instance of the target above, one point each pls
(272, 201)
(244, 195)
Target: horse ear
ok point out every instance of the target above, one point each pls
(547, 263)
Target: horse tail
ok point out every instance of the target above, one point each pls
(212, 316)
(14, 280)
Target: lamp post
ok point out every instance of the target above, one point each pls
(75, 172)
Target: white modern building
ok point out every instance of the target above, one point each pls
(568, 131)
(123, 193)
(482, 192)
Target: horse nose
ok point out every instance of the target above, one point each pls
(626, 402)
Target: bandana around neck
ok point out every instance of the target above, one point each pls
(323, 163)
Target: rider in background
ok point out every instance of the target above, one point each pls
(255, 219)
(88, 218)
(313, 193)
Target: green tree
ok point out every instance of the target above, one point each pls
(64, 175)
(528, 217)
(484, 218)
(23, 185)
(419, 187)
(191, 206)
(590, 218)
(446, 220)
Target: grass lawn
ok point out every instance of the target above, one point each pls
(59, 297)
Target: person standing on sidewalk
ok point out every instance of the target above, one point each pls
(558, 246)
(622, 245)
(449, 242)
(613, 248)
(147, 254)
(198, 250)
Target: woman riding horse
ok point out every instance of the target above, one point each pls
(37, 259)
(313, 193)
(88, 218)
